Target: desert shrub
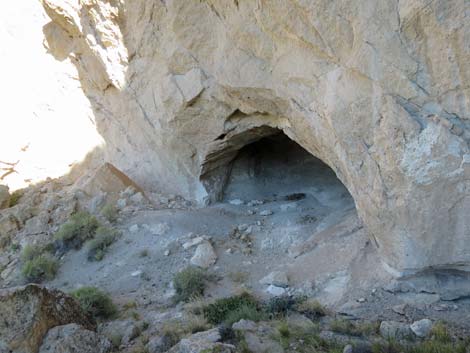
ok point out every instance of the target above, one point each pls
(429, 346)
(95, 302)
(98, 246)
(243, 306)
(439, 332)
(354, 329)
(172, 332)
(110, 212)
(196, 323)
(81, 227)
(189, 283)
(15, 197)
(30, 252)
(280, 306)
(40, 267)
(311, 308)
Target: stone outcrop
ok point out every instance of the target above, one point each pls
(4, 196)
(74, 338)
(29, 312)
(377, 89)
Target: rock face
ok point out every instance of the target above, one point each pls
(378, 90)
(29, 312)
(74, 338)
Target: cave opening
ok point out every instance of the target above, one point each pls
(265, 164)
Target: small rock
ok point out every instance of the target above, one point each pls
(134, 228)
(167, 253)
(242, 227)
(137, 198)
(276, 278)
(228, 251)
(266, 213)
(236, 202)
(193, 242)
(121, 203)
(255, 203)
(136, 273)
(361, 300)
(421, 328)
(348, 349)
(158, 229)
(276, 291)
(399, 309)
(127, 330)
(250, 212)
(204, 256)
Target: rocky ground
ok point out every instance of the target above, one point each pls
(271, 236)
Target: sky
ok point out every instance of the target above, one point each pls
(45, 120)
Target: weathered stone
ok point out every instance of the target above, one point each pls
(275, 290)
(394, 330)
(107, 179)
(74, 338)
(244, 325)
(126, 329)
(29, 312)
(355, 83)
(207, 341)
(421, 328)
(204, 256)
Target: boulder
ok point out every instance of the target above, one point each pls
(29, 312)
(126, 329)
(204, 256)
(421, 328)
(74, 338)
(202, 342)
(395, 330)
(107, 179)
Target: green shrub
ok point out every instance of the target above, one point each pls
(98, 246)
(81, 227)
(239, 307)
(189, 283)
(110, 212)
(311, 308)
(40, 267)
(439, 332)
(30, 252)
(280, 306)
(95, 302)
(15, 197)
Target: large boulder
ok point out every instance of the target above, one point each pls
(29, 312)
(74, 338)
(377, 89)
(202, 342)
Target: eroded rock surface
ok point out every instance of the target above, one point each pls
(378, 90)
(29, 312)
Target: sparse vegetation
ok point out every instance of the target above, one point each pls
(15, 197)
(81, 227)
(110, 213)
(39, 268)
(280, 306)
(98, 246)
(349, 328)
(144, 253)
(94, 301)
(440, 333)
(232, 309)
(311, 308)
(38, 264)
(189, 283)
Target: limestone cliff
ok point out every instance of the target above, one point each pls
(377, 89)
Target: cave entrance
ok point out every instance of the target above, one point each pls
(267, 165)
